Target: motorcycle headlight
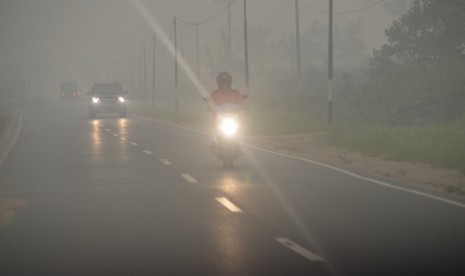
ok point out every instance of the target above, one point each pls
(229, 126)
(121, 99)
(95, 100)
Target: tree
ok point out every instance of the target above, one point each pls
(418, 76)
(430, 31)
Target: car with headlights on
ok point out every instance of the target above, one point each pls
(107, 98)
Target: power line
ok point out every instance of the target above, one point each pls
(208, 19)
(279, 18)
(345, 12)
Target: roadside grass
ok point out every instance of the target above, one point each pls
(438, 144)
(280, 123)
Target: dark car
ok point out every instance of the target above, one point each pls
(68, 90)
(107, 98)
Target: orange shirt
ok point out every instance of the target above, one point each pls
(219, 97)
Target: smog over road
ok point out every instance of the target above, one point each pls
(232, 137)
(48, 41)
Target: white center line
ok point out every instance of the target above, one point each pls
(148, 152)
(299, 250)
(228, 204)
(134, 144)
(107, 129)
(124, 139)
(189, 178)
(165, 162)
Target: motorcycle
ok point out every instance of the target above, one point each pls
(227, 133)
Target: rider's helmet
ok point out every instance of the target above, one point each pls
(223, 76)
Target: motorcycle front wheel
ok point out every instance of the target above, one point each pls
(228, 157)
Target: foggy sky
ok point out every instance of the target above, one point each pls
(46, 41)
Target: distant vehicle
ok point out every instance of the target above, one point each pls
(68, 90)
(107, 98)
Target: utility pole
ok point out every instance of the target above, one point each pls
(176, 104)
(140, 72)
(117, 71)
(197, 64)
(145, 67)
(154, 69)
(246, 46)
(297, 35)
(229, 46)
(229, 33)
(132, 73)
(175, 54)
(330, 64)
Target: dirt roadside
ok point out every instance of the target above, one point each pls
(418, 176)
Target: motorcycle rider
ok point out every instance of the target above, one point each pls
(224, 94)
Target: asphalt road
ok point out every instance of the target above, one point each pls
(134, 196)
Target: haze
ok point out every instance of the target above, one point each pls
(45, 42)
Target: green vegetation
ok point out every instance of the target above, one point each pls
(438, 144)
(418, 76)
(407, 103)
(280, 123)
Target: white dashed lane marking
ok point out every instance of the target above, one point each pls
(299, 250)
(228, 204)
(189, 178)
(165, 162)
(107, 129)
(148, 152)
(134, 144)
(124, 139)
(114, 134)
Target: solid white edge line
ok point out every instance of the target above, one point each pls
(189, 178)
(357, 176)
(148, 152)
(300, 250)
(228, 204)
(354, 175)
(165, 162)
